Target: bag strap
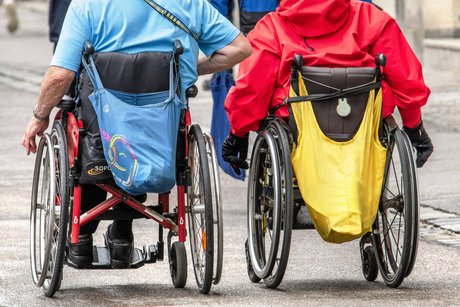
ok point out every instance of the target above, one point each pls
(340, 93)
(171, 17)
(92, 72)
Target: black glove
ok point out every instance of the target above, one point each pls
(422, 143)
(235, 151)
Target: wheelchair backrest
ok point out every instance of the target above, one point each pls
(323, 80)
(133, 73)
(145, 72)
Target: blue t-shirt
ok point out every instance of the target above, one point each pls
(133, 26)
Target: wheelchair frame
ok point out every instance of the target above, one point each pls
(390, 248)
(56, 200)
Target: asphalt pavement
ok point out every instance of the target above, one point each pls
(318, 273)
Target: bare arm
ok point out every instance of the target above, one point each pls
(226, 57)
(54, 86)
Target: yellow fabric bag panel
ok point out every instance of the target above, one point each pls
(340, 182)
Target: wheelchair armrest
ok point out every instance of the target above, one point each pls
(67, 103)
(191, 92)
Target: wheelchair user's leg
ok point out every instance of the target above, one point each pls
(81, 253)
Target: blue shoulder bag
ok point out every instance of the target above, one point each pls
(139, 133)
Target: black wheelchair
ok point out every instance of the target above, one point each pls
(273, 194)
(57, 197)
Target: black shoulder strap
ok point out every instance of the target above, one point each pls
(171, 17)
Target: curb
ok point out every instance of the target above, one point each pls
(440, 226)
(446, 44)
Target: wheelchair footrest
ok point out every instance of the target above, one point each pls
(150, 253)
(101, 259)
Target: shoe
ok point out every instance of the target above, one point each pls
(81, 253)
(302, 218)
(11, 17)
(121, 250)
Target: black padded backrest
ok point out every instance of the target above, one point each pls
(133, 73)
(334, 126)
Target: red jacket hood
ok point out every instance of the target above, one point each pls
(327, 15)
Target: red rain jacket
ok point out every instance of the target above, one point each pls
(330, 33)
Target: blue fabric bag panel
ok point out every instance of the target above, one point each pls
(220, 126)
(139, 135)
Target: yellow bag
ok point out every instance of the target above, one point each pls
(340, 182)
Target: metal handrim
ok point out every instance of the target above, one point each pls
(262, 271)
(46, 208)
(217, 206)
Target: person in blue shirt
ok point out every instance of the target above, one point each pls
(131, 27)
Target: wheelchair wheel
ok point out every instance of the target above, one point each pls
(200, 211)
(263, 204)
(218, 231)
(286, 204)
(58, 139)
(395, 233)
(42, 211)
(270, 205)
(178, 264)
(49, 211)
(370, 266)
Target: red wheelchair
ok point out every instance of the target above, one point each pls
(57, 193)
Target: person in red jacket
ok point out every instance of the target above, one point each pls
(328, 33)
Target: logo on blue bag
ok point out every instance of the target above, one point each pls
(98, 169)
(106, 108)
(121, 158)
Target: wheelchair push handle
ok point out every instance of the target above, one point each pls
(298, 61)
(381, 60)
(178, 47)
(297, 64)
(191, 92)
(88, 49)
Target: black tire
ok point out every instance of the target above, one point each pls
(200, 211)
(369, 264)
(58, 139)
(395, 232)
(264, 198)
(251, 274)
(415, 209)
(286, 204)
(178, 264)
